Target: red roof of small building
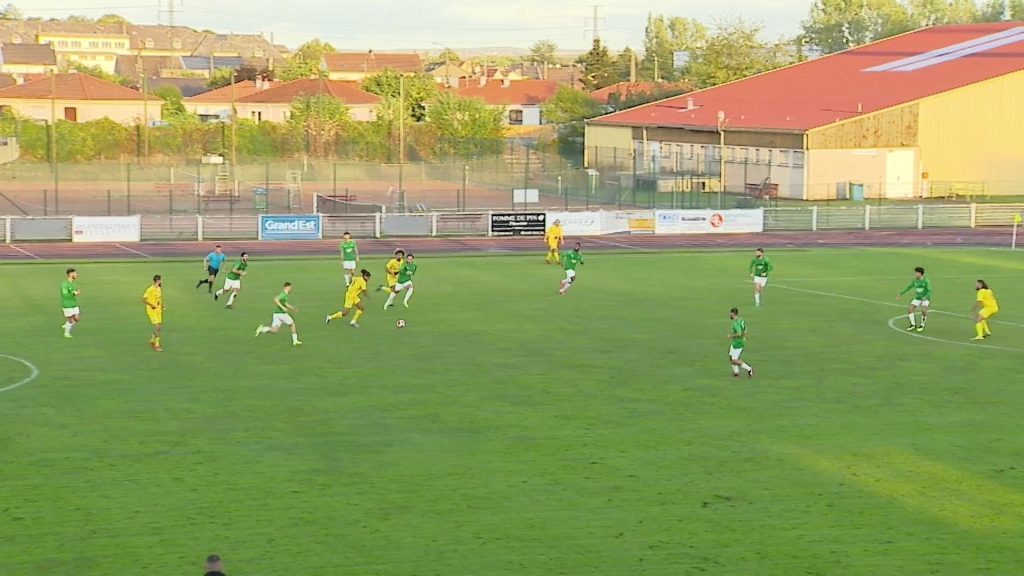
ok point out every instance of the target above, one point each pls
(73, 87)
(224, 93)
(497, 93)
(860, 81)
(347, 92)
(372, 62)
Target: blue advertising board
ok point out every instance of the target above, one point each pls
(291, 227)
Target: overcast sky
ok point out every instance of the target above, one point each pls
(425, 24)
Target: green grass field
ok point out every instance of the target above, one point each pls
(510, 431)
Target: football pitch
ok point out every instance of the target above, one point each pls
(508, 430)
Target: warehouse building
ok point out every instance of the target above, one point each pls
(935, 112)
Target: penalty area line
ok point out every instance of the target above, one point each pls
(25, 252)
(892, 324)
(610, 243)
(33, 372)
(132, 251)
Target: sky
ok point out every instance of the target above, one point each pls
(432, 24)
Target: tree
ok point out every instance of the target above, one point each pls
(835, 25)
(449, 56)
(419, 88)
(305, 62)
(466, 126)
(543, 53)
(220, 78)
(570, 105)
(321, 120)
(934, 12)
(735, 50)
(598, 67)
(624, 65)
(11, 12)
(663, 37)
(172, 106)
(75, 66)
(1016, 10)
(111, 20)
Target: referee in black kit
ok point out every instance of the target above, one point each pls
(213, 567)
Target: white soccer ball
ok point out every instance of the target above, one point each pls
(400, 324)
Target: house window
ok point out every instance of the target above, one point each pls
(108, 45)
(666, 151)
(94, 44)
(798, 158)
(783, 157)
(62, 43)
(757, 156)
(148, 43)
(76, 43)
(515, 117)
(121, 45)
(71, 114)
(286, 115)
(15, 39)
(108, 58)
(256, 116)
(176, 43)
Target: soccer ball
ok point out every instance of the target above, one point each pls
(400, 324)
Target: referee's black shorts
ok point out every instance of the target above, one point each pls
(213, 271)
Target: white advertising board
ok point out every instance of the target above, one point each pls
(708, 221)
(106, 229)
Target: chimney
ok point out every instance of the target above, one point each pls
(483, 80)
(505, 83)
(689, 104)
(860, 107)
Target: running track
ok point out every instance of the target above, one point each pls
(984, 237)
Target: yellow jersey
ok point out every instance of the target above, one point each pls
(154, 298)
(357, 287)
(555, 235)
(393, 266)
(987, 299)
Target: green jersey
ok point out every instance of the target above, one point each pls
(406, 273)
(68, 298)
(283, 299)
(761, 267)
(739, 333)
(348, 250)
(922, 288)
(571, 259)
(241, 265)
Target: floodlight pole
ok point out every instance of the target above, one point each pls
(721, 155)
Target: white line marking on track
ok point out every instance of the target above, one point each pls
(133, 251)
(25, 252)
(33, 372)
(892, 324)
(610, 243)
(890, 304)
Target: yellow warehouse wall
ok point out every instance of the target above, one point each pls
(976, 134)
(892, 128)
(603, 140)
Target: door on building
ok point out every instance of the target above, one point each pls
(899, 173)
(71, 114)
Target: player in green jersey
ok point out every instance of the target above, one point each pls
(759, 269)
(405, 274)
(233, 281)
(349, 257)
(922, 288)
(282, 315)
(69, 301)
(738, 336)
(570, 259)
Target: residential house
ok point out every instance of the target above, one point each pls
(86, 47)
(20, 60)
(448, 74)
(356, 66)
(522, 100)
(272, 101)
(79, 98)
(571, 76)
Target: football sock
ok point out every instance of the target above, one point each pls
(746, 367)
(336, 315)
(924, 319)
(391, 300)
(980, 329)
(757, 298)
(735, 369)
(295, 337)
(408, 294)
(355, 319)
(913, 319)
(984, 325)
(219, 292)
(231, 299)
(156, 341)
(348, 279)
(264, 329)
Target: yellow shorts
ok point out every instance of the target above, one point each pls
(392, 280)
(987, 313)
(553, 246)
(155, 316)
(351, 302)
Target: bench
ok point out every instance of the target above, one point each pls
(766, 191)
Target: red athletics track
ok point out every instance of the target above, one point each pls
(990, 237)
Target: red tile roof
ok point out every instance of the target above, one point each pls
(848, 84)
(519, 92)
(73, 87)
(223, 95)
(347, 92)
(372, 62)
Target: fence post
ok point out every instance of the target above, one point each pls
(170, 201)
(376, 225)
(128, 188)
(920, 216)
(490, 223)
(433, 224)
(109, 209)
(814, 218)
(974, 215)
(199, 227)
(867, 217)
(46, 207)
(7, 229)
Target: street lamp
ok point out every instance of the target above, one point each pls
(722, 121)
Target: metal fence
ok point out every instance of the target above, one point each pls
(477, 223)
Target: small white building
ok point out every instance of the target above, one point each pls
(522, 99)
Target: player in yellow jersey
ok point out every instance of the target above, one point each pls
(353, 299)
(153, 298)
(984, 308)
(555, 237)
(391, 268)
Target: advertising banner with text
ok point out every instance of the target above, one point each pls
(106, 229)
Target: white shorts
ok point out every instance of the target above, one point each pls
(570, 274)
(402, 286)
(69, 312)
(281, 318)
(760, 280)
(230, 284)
(348, 264)
(920, 303)
(734, 353)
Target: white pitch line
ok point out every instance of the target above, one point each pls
(892, 324)
(890, 304)
(610, 243)
(133, 251)
(25, 252)
(33, 372)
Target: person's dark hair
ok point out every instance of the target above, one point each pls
(919, 270)
(578, 245)
(365, 273)
(761, 250)
(734, 311)
(156, 278)
(243, 254)
(399, 251)
(69, 271)
(984, 285)
(287, 284)
(346, 233)
(217, 246)
(410, 255)
(212, 559)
